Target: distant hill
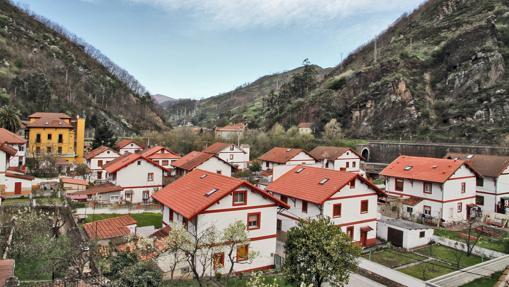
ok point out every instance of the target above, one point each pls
(45, 68)
(162, 99)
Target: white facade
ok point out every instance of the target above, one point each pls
(491, 191)
(224, 213)
(412, 234)
(212, 164)
(351, 218)
(19, 160)
(301, 158)
(139, 180)
(448, 201)
(12, 184)
(348, 161)
(96, 163)
(130, 148)
(235, 155)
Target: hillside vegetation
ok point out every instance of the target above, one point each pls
(45, 68)
(437, 74)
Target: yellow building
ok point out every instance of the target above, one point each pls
(56, 134)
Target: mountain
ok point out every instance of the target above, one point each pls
(45, 68)
(162, 100)
(436, 74)
(242, 104)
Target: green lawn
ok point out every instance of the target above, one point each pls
(393, 258)
(450, 255)
(485, 281)
(427, 270)
(143, 219)
(488, 242)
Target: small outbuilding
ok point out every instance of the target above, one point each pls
(403, 233)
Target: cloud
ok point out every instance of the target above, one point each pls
(239, 14)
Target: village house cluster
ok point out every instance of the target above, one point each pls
(198, 190)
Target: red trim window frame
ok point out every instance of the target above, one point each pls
(401, 181)
(430, 185)
(352, 183)
(336, 210)
(427, 210)
(350, 231)
(150, 176)
(100, 163)
(258, 220)
(246, 253)
(236, 192)
(463, 187)
(304, 206)
(364, 206)
(459, 207)
(218, 260)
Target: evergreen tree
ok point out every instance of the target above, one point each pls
(9, 118)
(103, 136)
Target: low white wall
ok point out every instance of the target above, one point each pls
(479, 251)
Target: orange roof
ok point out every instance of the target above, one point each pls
(188, 194)
(232, 128)
(109, 228)
(281, 154)
(485, 165)
(101, 188)
(122, 143)
(49, 120)
(305, 125)
(73, 180)
(125, 160)
(95, 152)
(305, 183)
(191, 160)
(154, 152)
(8, 149)
(216, 147)
(422, 168)
(20, 176)
(331, 152)
(10, 137)
(6, 270)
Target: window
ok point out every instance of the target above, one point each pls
(114, 198)
(352, 183)
(100, 163)
(59, 150)
(427, 187)
(354, 164)
(480, 181)
(239, 197)
(184, 222)
(165, 162)
(409, 209)
(347, 164)
(232, 147)
(349, 232)
(139, 162)
(399, 184)
(284, 198)
(38, 138)
(150, 176)
(242, 253)
(460, 206)
(99, 175)
(266, 164)
(60, 138)
(253, 221)
(336, 210)
(48, 149)
(218, 259)
(304, 206)
(279, 225)
(463, 187)
(129, 195)
(37, 150)
(427, 210)
(479, 200)
(231, 156)
(364, 206)
(422, 234)
(219, 171)
(49, 136)
(146, 195)
(170, 216)
(21, 148)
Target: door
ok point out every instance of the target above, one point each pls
(364, 237)
(17, 188)
(395, 236)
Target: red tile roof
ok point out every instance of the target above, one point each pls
(49, 120)
(10, 137)
(232, 128)
(187, 195)
(303, 182)
(216, 147)
(6, 270)
(485, 165)
(109, 228)
(154, 152)
(412, 201)
(95, 152)
(422, 168)
(281, 154)
(8, 149)
(125, 160)
(331, 152)
(192, 160)
(122, 143)
(20, 176)
(70, 180)
(101, 188)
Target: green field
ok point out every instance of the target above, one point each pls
(393, 258)
(452, 256)
(143, 219)
(427, 270)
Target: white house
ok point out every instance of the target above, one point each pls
(403, 233)
(337, 158)
(106, 193)
(231, 153)
(493, 181)
(204, 161)
(161, 155)
(138, 176)
(201, 199)
(231, 131)
(19, 144)
(305, 128)
(128, 146)
(285, 158)
(348, 199)
(438, 188)
(97, 158)
(12, 183)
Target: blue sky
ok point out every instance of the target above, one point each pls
(200, 48)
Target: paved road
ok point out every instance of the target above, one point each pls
(469, 274)
(391, 274)
(357, 280)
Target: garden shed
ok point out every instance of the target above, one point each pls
(403, 233)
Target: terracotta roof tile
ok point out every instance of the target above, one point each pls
(412, 201)
(216, 147)
(71, 180)
(485, 165)
(187, 195)
(49, 120)
(101, 188)
(232, 127)
(125, 160)
(192, 160)
(123, 142)
(97, 151)
(109, 228)
(20, 176)
(281, 154)
(8, 149)
(10, 137)
(154, 152)
(422, 168)
(331, 152)
(305, 182)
